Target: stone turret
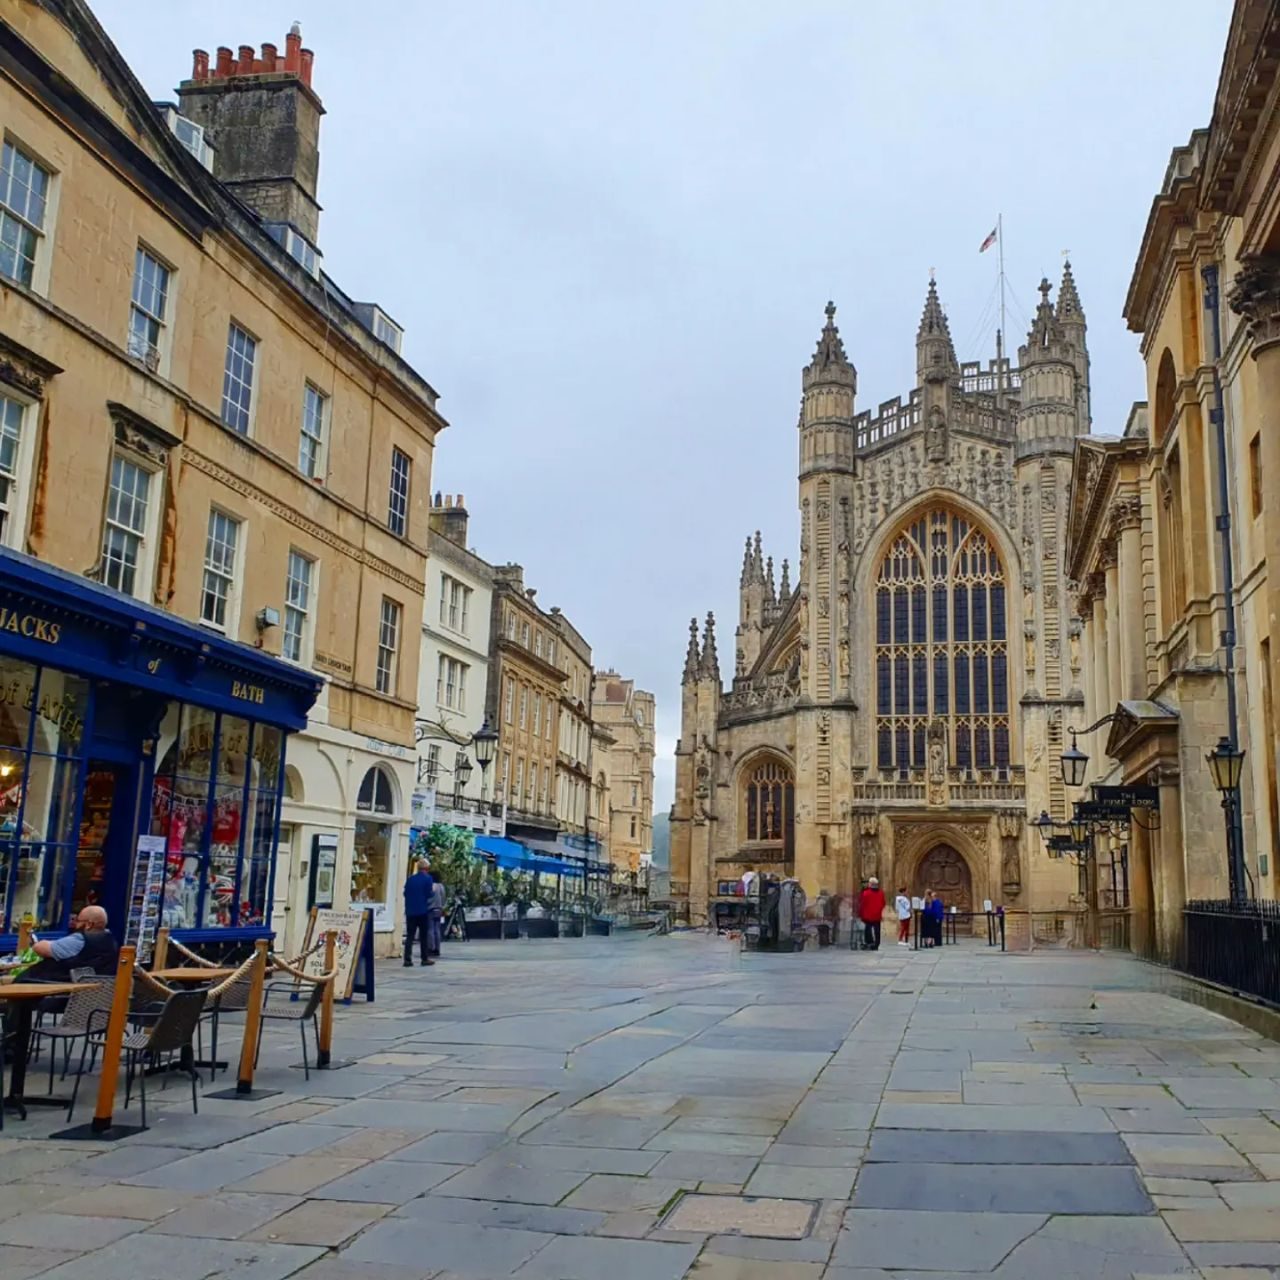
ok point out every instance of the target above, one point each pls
(935, 352)
(1054, 367)
(830, 383)
(1070, 317)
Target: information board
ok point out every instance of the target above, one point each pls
(351, 926)
(146, 889)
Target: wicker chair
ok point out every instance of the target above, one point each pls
(172, 1031)
(292, 1010)
(74, 1025)
(232, 997)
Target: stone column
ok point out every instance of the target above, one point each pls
(1255, 294)
(1141, 937)
(1126, 525)
(1101, 642)
(1169, 870)
(1110, 566)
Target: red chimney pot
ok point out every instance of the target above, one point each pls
(225, 65)
(306, 58)
(244, 65)
(268, 57)
(199, 65)
(292, 48)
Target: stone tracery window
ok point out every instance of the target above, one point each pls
(941, 645)
(769, 801)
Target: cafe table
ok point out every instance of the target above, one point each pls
(24, 996)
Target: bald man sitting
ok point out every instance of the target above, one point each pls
(89, 945)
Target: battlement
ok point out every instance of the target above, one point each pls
(995, 375)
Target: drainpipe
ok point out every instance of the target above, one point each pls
(1236, 870)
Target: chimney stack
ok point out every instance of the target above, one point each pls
(263, 120)
(449, 518)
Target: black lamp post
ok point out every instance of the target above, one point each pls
(1075, 764)
(461, 776)
(485, 743)
(1226, 764)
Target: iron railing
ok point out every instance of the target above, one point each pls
(1235, 945)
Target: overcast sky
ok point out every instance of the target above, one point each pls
(609, 231)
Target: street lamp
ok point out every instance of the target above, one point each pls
(1226, 764)
(1074, 764)
(462, 775)
(485, 742)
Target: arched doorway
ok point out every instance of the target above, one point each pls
(946, 872)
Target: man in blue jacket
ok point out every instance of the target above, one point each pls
(419, 894)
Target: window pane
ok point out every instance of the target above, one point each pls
(398, 501)
(311, 443)
(237, 380)
(219, 568)
(24, 187)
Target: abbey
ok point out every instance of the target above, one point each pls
(900, 710)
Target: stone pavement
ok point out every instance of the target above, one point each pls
(653, 1108)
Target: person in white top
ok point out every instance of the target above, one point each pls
(902, 904)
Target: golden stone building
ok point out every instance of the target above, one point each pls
(1170, 520)
(197, 417)
(625, 780)
(901, 710)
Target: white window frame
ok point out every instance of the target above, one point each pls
(152, 352)
(305, 633)
(537, 643)
(524, 634)
(511, 625)
(537, 711)
(451, 683)
(524, 706)
(143, 585)
(398, 494)
(17, 504)
(42, 231)
(432, 775)
(313, 433)
(233, 378)
(517, 790)
(509, 702)
(221, 578)
(387, 667)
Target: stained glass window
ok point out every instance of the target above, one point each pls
(769, 797)
(941, 645)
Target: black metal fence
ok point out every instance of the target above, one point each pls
(1236, 945)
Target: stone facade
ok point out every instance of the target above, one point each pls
(626, 714)
(900, 709)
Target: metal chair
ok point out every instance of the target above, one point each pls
(299, 1011)
(172, 1032)
(74, 1023)
(233, 997)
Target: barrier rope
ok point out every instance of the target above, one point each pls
(318, 978)
(191, 955)
(157, 988)
(239, 976)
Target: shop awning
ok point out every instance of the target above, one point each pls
(511, 855)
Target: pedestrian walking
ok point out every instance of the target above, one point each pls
(419, 897)
(871, 913)
(902, 905)
(935, 911)
(437, 911)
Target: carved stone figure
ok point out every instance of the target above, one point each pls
(844, 612)
(844, 659)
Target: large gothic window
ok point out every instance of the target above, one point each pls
(941, 645)
(769, 801)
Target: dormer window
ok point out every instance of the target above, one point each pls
(190, 134)
(296, 245)
(386, 330)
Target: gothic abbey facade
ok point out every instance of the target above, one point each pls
(901, 709)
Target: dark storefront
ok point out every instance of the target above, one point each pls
(120, 721)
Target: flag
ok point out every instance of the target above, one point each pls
(989, 241)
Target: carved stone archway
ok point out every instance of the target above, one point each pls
(915, 840)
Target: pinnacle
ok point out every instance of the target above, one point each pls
(691, 658)
(784, 590)
(934, 320)
(1069, 307)
(709, 667)
(830, 353)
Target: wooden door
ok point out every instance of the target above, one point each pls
(945, 872)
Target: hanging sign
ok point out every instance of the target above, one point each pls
(1119, 800)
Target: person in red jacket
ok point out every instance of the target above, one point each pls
(870, 912)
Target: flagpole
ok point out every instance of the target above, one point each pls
(1001, 335)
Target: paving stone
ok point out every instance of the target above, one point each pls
(800, 1183)
(909, 1240)
(298, 1176)
(120, 1201)
(742, 1215)
(813, 1157)
(764, 1249)
(227, 1216)
(725, 1124)
(1019, 1093)
(386, 1181)
(586, 1159)
(704, 1166)
(127, 1159)
(1239, 1195)
(485, 1253)
(320, 1222)
(152, 1257)
(720, 1266)
(612, 1193)
(18, 1263)
(205, 1171)
(423, 1117)
(335, 1267)
(596, 1131)
(291, 1139)
(724, 1144)
(998, 1148)
(1153, 1120)
(902, 1115)
(369, 1144)
(1248, 1224)
(494, 1213)
(1207, 1256)
(494, 1181)
(452, 1148)
(1207, 1150)
(594, 1257)
(77, 1231)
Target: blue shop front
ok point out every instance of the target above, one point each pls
(135, 745)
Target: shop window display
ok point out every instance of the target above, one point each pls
(371, 853)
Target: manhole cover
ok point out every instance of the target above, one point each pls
(742, 1216)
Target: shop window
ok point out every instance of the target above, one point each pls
(16, 451)
(219, 591)
(42, 715)
(371, 851)
(388, 645)
(127, 540)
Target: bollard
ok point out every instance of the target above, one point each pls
(114, 1039)
(324, 1049)
(160, 956)
(253, 1018)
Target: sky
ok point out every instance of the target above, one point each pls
(609, 231)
